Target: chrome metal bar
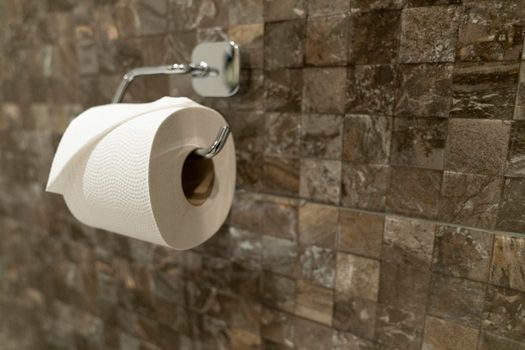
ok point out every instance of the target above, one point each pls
(217, 145)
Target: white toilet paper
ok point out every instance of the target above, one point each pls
(120, 166)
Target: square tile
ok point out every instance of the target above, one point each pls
(477, 146)
(368, 5)
(519, 110)
(321, 136)
(310, 335)
(421, 42)
(318, 225)
(441, 334)
(364, 186)
(281, 175)
(344, 340)
(398, 328)
(314, 303)
(320, 180)
(317, 266)
(327, 7)
(374, 37)
(366, 138)
(326, 39)
(504, 313)
(357, 276)
(456, 299)
(360, 233)
(425, 90)
(250, 37)
(414, 191)
(279, 10)
(284, 44)
(419, 142)
(354, 315)
(508, 262)
(484, 90)
(371, 89)
(279, 255)
(511, 215)
(246, 12)
(282, 134)
(278, 291)
(489, 341)
(324, 90)
(283, 90)
(197, 14)
(462, 252)
(516, 156)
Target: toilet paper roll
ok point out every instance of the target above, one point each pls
(129, 168)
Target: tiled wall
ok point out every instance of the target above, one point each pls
(381, 176)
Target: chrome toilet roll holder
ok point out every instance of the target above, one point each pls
(216, 74)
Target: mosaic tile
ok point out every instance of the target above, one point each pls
(504, 313)
(399, 328)
(508, 262)
(441, 334)
(357, 276)
(278, 10)
(318, 225)
(364, 186)
(511, 213)
(354, 315)
(283, 44)
(366, 139)
(320, 180)
(321, 135)
(370, 89)
(324, 90)
(516, 154)
(360, 233)
(283, 89)
(314, 303)
(325, 40)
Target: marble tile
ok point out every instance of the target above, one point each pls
(284, 44)
(314, 303)
(277, 327)
(423, 43)
(357, 276)
(354, 315)
(318, 225)
(250, 38)
(419, 142)
(364, 186)
(141, 17)
(279, 255)
(278, 292)
(283, 90)
(281, 175)
(325, 40)
(516, 154)
(317, 266)
(511, 215)
(320, 180)
(310, 335)
(477, 146)
(374, 37)
(279, 10)
(327, 7)
(408, 241)
(491, 31)
(247, 130)
(276, 216)
(508, 262)
(470, 199)
(519, 108)
(344, 340)
(442, 335)
(282, 134)
(371, 89)
(397, 328)
(324, 90)
(489, 341)
(368, 5)
(414, 191)
(504, 313)
(462, 252)
(484, 90)
(424, 90)
(246, 12)
(321, 136)
(360, 233)
(198, 14)
(456, 299)
(366, 138)
(249, 170)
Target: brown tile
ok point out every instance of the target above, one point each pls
(357, 276)
(247, 130)
(366, 139)
(345, 341)
(511, 215)
(491, 31)
(361, 233)
(284, 44)
(318, 225)
(197, 14)
(314, 303)
(408, 241)
(477, 146)
(250, 38)
(374, 37)
(279, 255)
(277, 327)
(489, 341)
(310, 335)
(398, 328)
(278, 292)
(246, 12)
(281, 175)
(504, 313)
(324, 90)
(456, 299)
(277, 216)
(364, 186)
(278, 10)
(367, 5)
(354, 315)
(283, 90)
(508, 262)
(423, 43)
(519, 109)
(282, 134)
(419, 142)
(320, 180)
(424, 90)
(484, 90)
(516, 155)
(419, 3)
(371, 89)
(321, 135)
(326, 40)
(317, 266)
(445, 335)
(249, 170)
(462, 252)
(469, 199)
(327, 7)
(414, 191)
